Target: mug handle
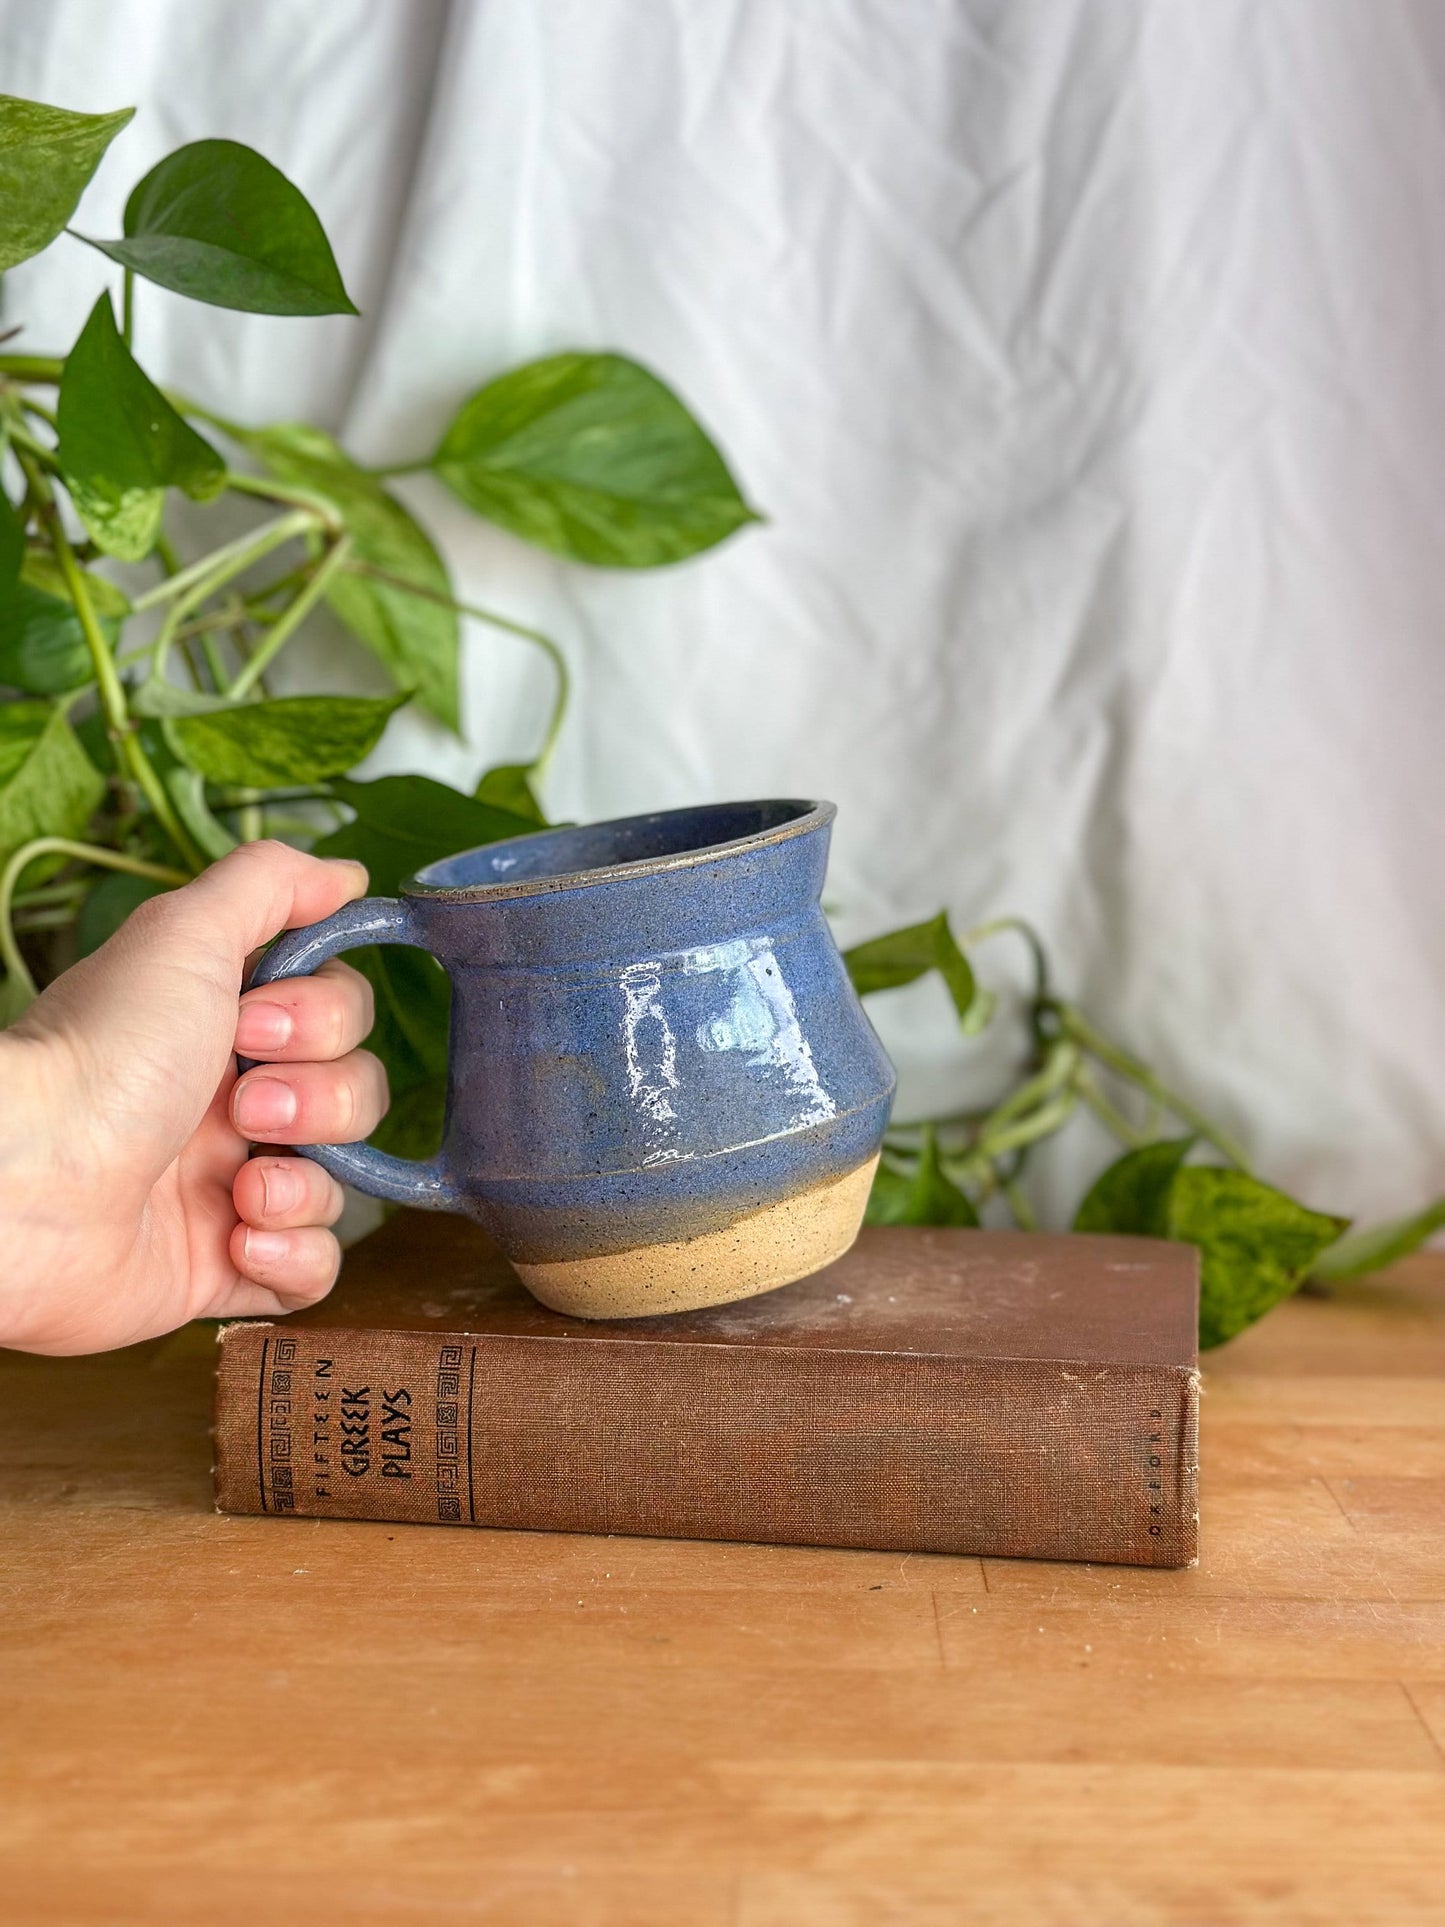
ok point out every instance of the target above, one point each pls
(420, 1182)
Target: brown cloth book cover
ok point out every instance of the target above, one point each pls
(999, 1393)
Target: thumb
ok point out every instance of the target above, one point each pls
(254, 893)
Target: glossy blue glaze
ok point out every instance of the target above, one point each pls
(653, 1033)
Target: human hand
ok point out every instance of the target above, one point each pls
(128, 1203)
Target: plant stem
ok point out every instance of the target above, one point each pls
(997, 927)
(250, 824)
(213, 661)
(127, 305)
(1017, 1203)
(1077, 1026)
(44, 369)
(185, 406)
(282, 585)
(47, 893)
(1042, 1122)
(984, 1176)
(23, 439)
(62, 846)
(1058, 1067)
(270, 491)
(235, 799)
(187, 632)
(246, 644)
(1108, 1115)
(130, 754)
(279, 823)
(230, 559)
(58, 917)
(490, 616)
(956, 1120)
(252, 670)
(560, 700)
(188, 660)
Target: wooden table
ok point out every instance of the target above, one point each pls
(260, 1721)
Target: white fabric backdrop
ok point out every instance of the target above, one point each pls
(1086, 358)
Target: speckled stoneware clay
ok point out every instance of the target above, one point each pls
(663, 1091)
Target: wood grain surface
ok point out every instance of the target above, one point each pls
(255, 1721)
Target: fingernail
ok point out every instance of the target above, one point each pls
(263, 1104)
(263, 1027)
(280, 1188)
(266, 1247)
(358, 871)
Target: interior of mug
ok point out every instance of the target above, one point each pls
(669, 834)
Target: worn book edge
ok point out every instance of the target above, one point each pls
(1182, 1383)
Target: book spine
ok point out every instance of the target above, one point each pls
(1021, 1458)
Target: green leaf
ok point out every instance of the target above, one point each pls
(92, 732)
(413, 994)
(47, 155)
(157, 697)
(217, 222)
(42, 645)
(594, 458)
(509, 786)
(293, 739)
(413, 1012)
(186, 788)
(1379, 1245)
(187, 791)
(404, 822)
(415, 637)
(1256, 1245)
(1132, 1196)
(48, 785)
(883, 963)
(12, 543)
(122, 444)
(108, 906)
(926, 1195)
(414, 1123)
(15, 999)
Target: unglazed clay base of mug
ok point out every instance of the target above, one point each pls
(768, 1248)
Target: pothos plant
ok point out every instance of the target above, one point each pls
(144, 739)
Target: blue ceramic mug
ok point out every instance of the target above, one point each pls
(663, 1091)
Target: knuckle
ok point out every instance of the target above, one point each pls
(348, 1104)
(363, 998)
(333, 1005)
(266, 852)
(344, 1010)
(316, 1264)
(311, 1191)
(376, 1072)
(362, 1092)
(155, 914)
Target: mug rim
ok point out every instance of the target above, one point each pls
(812, 815)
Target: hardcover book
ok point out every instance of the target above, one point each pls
(995, 1393)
